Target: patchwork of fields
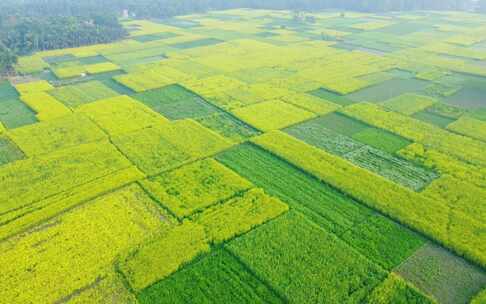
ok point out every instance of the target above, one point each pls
(250, 156)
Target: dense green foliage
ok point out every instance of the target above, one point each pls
(218, 275)
(23, 33)
(306, 263)
(319, 202)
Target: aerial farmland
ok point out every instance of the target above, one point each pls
(250, 156)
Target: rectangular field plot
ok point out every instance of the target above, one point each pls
(311, 103)
(317, 201)
(383, 241)
(34, 87)
(163, 254)
(356, 181)
(228, 126)
(305, 263)
(56, 134)
(409, 104)
(83, 243)
(458, 146)
(239, 215)
(393, 168)
(176, 102)
(20, 219)
(14, 113)
(116, 86)
(396, 290)
(133, 58)
(262, 75)
(58, 59)
(318, 132)
(378, 161)
(195, 187)
(78, 94)
(433, 118)
(381, 140)
(70, 71)
(162, 148)
(471, 96)
(49, 175)
(388, 89)
(7, 91)
(99, 68)
(341, 124)
(218, 275)
(145, 80)
(196, 43)
(9, 152)
(45, 106)
(272, 115)
(469, 126)
(154, 37)
(121, 114)
(332, 97)
(449, 279)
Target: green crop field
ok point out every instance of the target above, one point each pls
(250, 156)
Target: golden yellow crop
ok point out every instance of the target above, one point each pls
(445, 164)
(311, 103)
(83, 243)
(469, 126)
(101, 67)
(162, 148)
(163, 255)
(272, 115)
(46, 106)
(121, 114)
(18, 220)
(48, 136)
(239, 215)
(34, 87)
(195, 187)
(31, 180)
(69, 71)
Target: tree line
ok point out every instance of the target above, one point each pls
(35, 25)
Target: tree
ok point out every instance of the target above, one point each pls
(7, 58)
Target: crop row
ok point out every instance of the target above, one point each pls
(218, 275)
(461, 147)
(424, 214)
(380, 162)
(445, 164)
(169, 251)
